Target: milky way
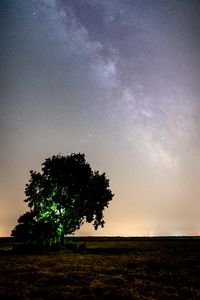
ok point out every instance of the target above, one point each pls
(117, 80)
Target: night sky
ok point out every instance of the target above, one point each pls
(118, 81)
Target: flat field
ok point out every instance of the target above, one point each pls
(110, 268)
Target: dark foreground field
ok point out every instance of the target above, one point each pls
(107, 269)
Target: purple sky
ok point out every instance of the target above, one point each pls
(118, 81)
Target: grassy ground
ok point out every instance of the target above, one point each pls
(107, 269)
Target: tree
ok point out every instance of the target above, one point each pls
(61, 198)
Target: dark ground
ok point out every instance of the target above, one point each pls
(109, 268)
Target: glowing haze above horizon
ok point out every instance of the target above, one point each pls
(118, 81)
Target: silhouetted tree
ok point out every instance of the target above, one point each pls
(25, 228)
(61, 198)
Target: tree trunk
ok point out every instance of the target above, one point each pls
(62, 241)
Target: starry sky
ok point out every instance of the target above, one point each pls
(118, 80)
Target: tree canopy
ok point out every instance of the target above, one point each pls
(61, 198)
